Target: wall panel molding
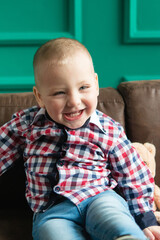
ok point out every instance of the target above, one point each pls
(140, 78)
(131, 32)
(69, 24)
(34, 38)
(16, 84)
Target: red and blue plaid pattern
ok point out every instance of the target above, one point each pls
(76, 164)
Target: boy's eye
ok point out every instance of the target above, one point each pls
(83, 87)
(58, 93)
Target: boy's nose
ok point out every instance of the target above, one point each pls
(73, 100)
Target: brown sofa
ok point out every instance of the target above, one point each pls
(136, 105)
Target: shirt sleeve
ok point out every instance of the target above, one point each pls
(134, 179)
(11, 142)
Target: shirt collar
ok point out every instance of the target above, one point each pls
(41, 115)
(95, 120)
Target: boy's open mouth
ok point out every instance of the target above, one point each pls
(73, 115)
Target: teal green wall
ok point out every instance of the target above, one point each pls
(123, 37)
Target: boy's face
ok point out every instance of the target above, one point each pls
(68, 91)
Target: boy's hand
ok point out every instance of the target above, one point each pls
(152, 233)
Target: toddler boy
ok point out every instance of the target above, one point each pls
(75, 156)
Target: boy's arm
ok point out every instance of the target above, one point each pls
(134, 180)
(11, 143)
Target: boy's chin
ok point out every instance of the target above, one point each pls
(74, 126)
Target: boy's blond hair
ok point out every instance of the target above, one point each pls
(57, 51)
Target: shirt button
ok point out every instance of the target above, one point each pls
(60, 163)
(65, 147)
(57, 189)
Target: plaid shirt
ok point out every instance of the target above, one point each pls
(76, 164)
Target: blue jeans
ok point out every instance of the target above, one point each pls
(102, 217)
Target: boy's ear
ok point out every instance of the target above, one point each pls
(38, 97)
(97, 84)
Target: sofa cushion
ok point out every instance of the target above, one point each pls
(111, 103)
(142, 108)
(13, 102)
